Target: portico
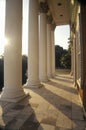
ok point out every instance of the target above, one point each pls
(40, 50)
(43, 17)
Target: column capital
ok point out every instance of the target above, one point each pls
(49, 19)
(43, 7)
(73, 27)
(53, 26)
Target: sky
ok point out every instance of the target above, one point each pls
(2, 27)
(62, 33)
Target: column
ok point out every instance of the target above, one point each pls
(78, 49)
(75, 74)
(53, 49)
(33, 46)
(49, 47)
(13, 90)
(72, 59)
(43, 42)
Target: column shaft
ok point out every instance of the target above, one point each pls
(13, 90)
(74, 43)
(43, 47)
(49, 51)
(72, 59)
(33, 45)
(53, 53)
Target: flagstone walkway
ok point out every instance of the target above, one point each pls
(55, 106)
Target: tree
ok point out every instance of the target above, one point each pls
(58, 54)
(24, 69)
(62, 57)
(66, 61)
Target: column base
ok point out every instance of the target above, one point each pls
(53, 75)
(44, 80)
(50, 76)
(71, 73)
(33, 85)
(12, 94)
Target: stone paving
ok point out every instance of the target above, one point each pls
(55, 106)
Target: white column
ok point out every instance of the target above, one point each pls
(49, 51)
(53, 53)
(72, 58)
(74, 43)
(33, 46)
(13, 90)
(43, 46)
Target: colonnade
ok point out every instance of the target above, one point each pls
(41, 48)
(76, 50)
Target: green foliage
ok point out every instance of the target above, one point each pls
(24, 69)
(66, 61)
(62, 57)
(58, 54)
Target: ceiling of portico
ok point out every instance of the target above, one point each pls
(60, 10)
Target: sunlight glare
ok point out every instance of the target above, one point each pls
(1, 46)
(6, 41)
